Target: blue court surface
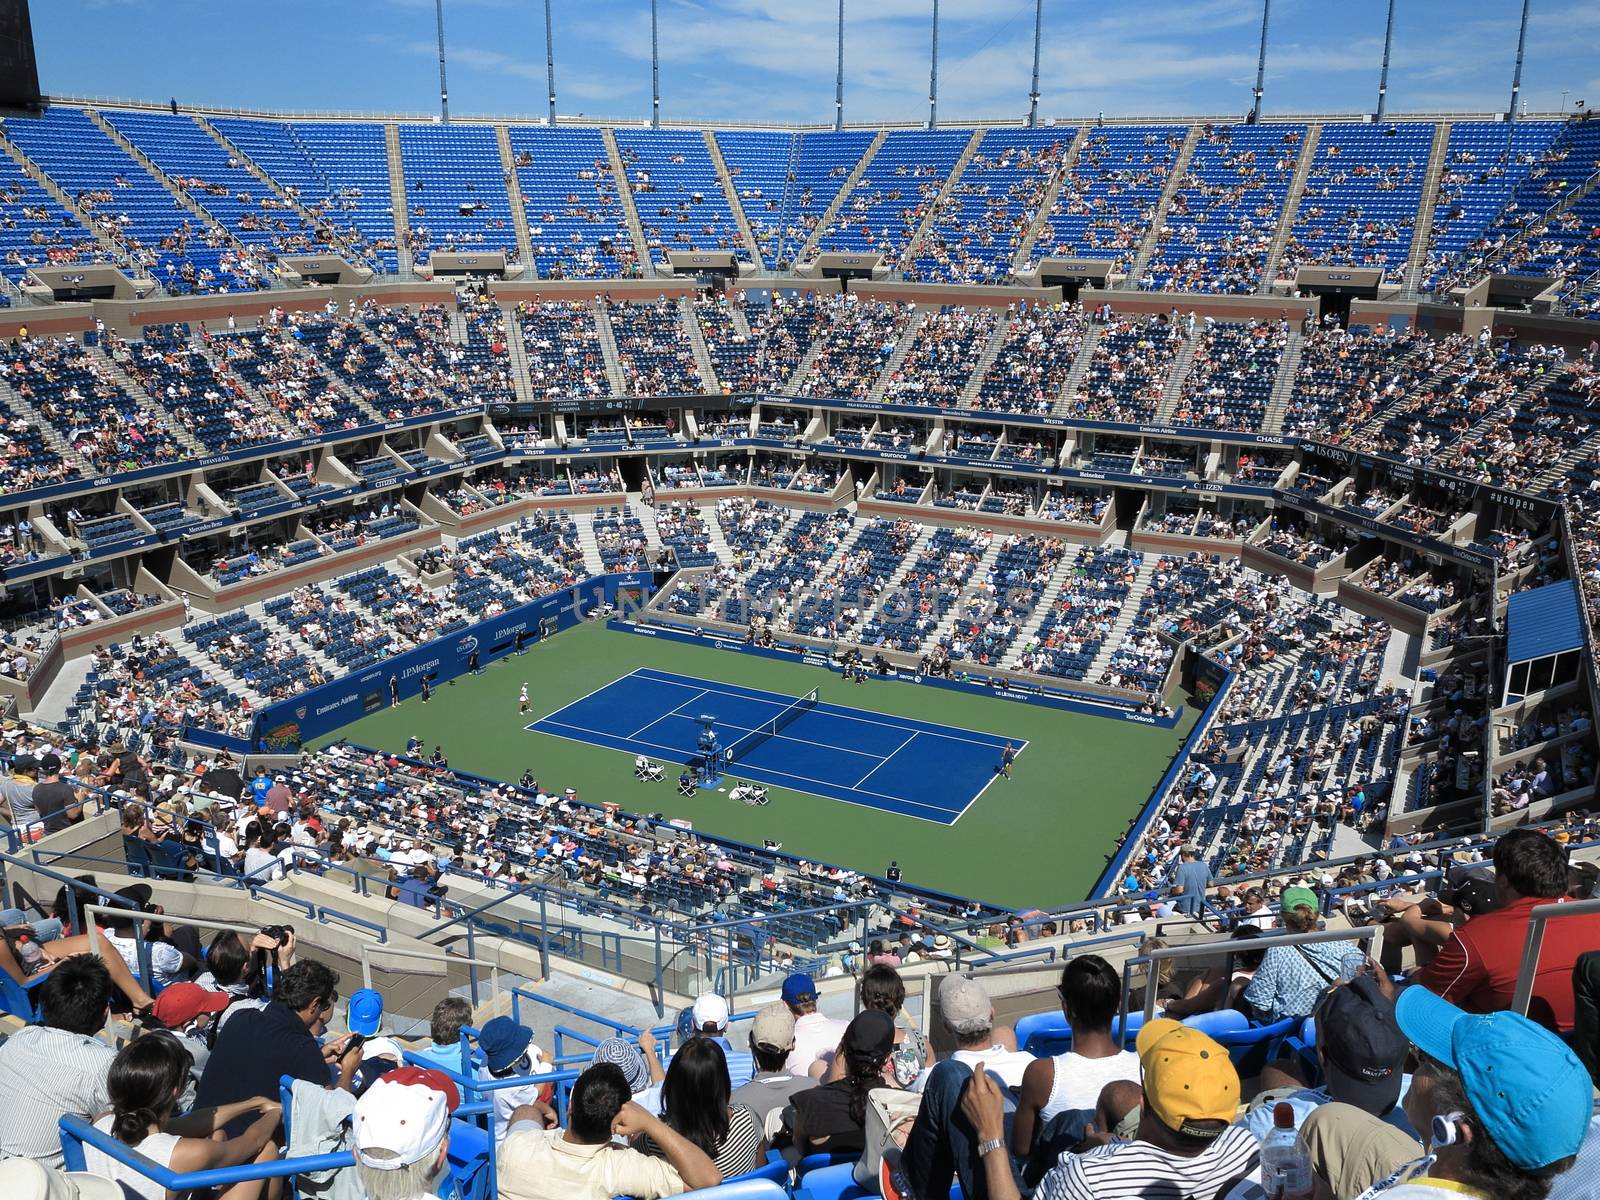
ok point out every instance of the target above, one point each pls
(896, 764)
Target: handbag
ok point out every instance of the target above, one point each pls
(890, 1114)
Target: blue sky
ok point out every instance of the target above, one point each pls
(773, 60)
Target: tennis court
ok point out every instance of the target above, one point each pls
(877, 760)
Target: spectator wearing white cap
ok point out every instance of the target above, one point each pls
(401, 1132)
(968, 1014)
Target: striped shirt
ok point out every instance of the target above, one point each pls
(1141, 1171)
(44, 1075)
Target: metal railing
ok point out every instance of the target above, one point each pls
(369, 951)
(1538, 917)
(77, 1132)
(142, 944)
(1153, 958)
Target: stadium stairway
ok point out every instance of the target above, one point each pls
(164, 419)
(1291, 206)
(52, 436)
(608, 342)
(1080, 367)
(991, 351)
(1175, 181)
(1047, 598)
(619, 174)
(902, 348)
(1422, 231)
(732, 193)
(1182, 361)
(291, 634)
(914, 243)
(519, 209)
(1283, 385)
(808, 248)
(1022, 260)
(947, 623)
(36, 173)
(697, 341)
(249, 165)
(397, 198)
(803, 367)
(1125, 616)
(590, 545)
(182, 197)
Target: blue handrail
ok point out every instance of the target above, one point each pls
(77, 1132)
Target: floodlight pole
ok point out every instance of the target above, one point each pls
(1261, 63)
(550, 61)
(1383, 75)
(838, 79)
(1033, 90)
(655, 73)
(1516, 79)
(933, 72)
(444, 90)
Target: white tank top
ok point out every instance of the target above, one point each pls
(1078, 1080)
(158, 1146)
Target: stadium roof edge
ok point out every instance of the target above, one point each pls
(580, 121)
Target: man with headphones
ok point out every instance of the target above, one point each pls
(1503, 1103)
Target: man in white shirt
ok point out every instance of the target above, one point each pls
(814, 1034)
(969, 1016)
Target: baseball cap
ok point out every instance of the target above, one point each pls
(870, 1034)
(773, 1028)
(381, 1047)
(406, 1114)
(965, 1004)
(627, 1056)
(1362, 1046)
(797, 989)
(24, 1179)
(1299, 897)
(1530, 1091)
(710, 1009)
(50, 764)
(1188, 1078)
(180, 1003)
(365, 1012)
(503, 1041)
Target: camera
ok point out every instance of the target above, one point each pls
(279, 933)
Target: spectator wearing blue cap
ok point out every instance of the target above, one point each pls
(508, 1053)
(814, 1034)
(1502, 1103)
(365, 1012)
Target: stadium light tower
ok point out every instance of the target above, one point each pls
(444, 90)
(838, 79)
(1383, 75)
(1033, 90)
(1261, 63)
(933, 72)
(1516, 78)
(655, 73)
(550, 61)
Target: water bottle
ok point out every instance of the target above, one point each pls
(29, 952)
(1285, 1161)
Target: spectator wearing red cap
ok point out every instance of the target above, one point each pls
(401, 1132)
(187, 1010)
(145, 1082)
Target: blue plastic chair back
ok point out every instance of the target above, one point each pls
(1255, 1046)
(17, 998)
(742, 1188)
(468, 1156)
(818, 1162)
(1221, 1023)
(837, 1182)
(1044, 1034)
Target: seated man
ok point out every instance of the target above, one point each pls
(686, 785)
(541, 1162)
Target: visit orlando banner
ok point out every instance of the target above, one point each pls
(283, 727)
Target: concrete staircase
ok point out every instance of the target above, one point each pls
(1563, 467)
(901, 349)
(52, 436)
(1047, 598)
(327, 662)
(892, 590)
(36, 173)
(300, 210)
(519, 208)
(1422, 231)
(991, 351)
(1022, 259)
(697, 341)
(1152, 237)
(398, 199)
(803, 367)
(589, 544)
(729, 189)
(909, 254)
(182, 197)
(1172, 392)
(1124, 621)
(608, 348)
(1080, 367)
(1283, 385)
(1291, 206)
(212, 668)
(139, 396)
(947, 623)
(808, 249)
(518, 353)
(619, 174)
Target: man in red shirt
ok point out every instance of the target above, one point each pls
(1477, 968)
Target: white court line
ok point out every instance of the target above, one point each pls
(587, 695)
(845, 713)
(984, 788)
(671, 750)
(670, 712)
(887, 757)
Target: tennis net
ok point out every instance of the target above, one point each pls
(772, 728)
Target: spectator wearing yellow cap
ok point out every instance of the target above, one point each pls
(1187, 1143)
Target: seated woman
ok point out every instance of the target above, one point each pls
(694, 1103)
(144, 1083)
(831, 1118)
(52, 953)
